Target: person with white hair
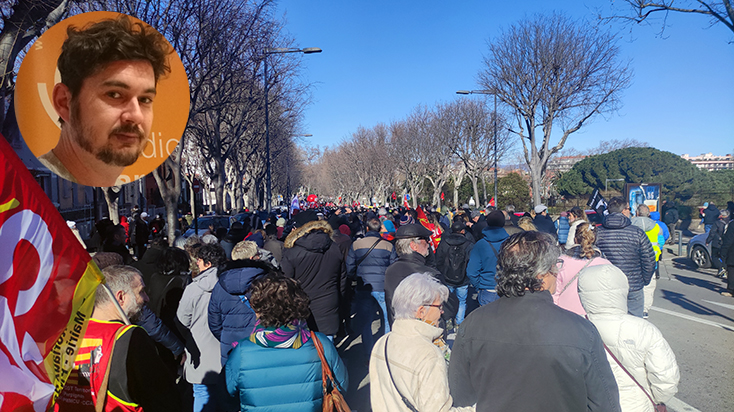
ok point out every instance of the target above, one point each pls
(408, 366)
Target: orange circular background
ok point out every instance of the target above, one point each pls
(38, 121)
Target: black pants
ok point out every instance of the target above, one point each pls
(716, 261)
(730, 278)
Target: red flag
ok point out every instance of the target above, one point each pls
(394, 196)
(442, 196)
(436, 236)
(491, 202)
(47, 285)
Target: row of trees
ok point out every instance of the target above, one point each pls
(417, 155)
(222, 44)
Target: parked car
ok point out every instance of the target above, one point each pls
(699, 252)
(204, 222)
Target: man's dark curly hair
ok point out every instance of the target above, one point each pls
(522, 258)
(173, 261)
(212, 253)
(278, 300)
(88, 50)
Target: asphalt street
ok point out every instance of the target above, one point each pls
(688, 309)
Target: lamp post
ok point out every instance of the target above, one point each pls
(288, 172)
(494, 131)
(606, 184)
(266, 53)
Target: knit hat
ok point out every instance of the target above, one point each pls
(389, 226)
(345, 230)
(496, 219)
(406, 220)
(305, 217)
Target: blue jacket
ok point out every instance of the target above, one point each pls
(562, 228)
(231, 319)
(482, 265)
(272, 379)
(372, 269)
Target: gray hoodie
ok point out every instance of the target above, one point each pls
(202, 348)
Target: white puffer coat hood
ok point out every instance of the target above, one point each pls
(636, 343)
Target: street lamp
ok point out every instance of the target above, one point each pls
(606, 184)
(288, 172)
(495, 133)
(266, 53)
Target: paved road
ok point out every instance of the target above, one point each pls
(695, 319)
(699, 325)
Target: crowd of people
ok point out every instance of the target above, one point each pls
(545, 314)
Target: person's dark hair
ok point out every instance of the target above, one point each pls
(278, 300)
(212, 253)
(578, 213)
(111, 231)
(87, 50)
(522, 258)
(616, 205)
(173, 261)
(374, 225)
(271, 229)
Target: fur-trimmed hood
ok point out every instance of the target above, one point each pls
(316, 226)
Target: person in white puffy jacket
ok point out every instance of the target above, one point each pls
(637, 343)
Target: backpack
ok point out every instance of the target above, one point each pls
(456, 262)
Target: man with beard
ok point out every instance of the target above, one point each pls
(117, 360)
(109, 72)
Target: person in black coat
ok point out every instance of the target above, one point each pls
(412, 245)
(313, 259)
(543, 222)
(715, 239)
(560, 354)
(727, 255)
(452, 256)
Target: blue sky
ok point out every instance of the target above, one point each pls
(383, 58)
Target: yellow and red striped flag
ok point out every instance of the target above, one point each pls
(47, 286)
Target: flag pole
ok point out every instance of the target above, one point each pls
(117, 304)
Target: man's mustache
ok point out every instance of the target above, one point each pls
(129, 129)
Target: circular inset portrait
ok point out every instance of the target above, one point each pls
(102, 99)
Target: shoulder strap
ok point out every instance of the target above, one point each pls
(493, 249)
(405, 400)
(368, 252)
(575, 276)
(327, 376)
(654, 405)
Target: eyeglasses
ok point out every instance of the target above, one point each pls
(559, 264)
(440, 307)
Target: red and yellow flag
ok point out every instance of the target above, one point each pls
(47, 286)
(436, 236)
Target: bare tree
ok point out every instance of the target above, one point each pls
(643, 10)
(549, 70)
(23, 21)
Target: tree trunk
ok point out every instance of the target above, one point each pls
(219, 181)
(535, 184)
(484, 188)
(168, 178)
(111, 194)
(476, 189)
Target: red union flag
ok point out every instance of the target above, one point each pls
(47, 285)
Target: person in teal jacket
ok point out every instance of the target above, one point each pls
(278, 368)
